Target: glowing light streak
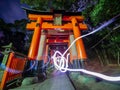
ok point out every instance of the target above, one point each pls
(10, 69)
(61, 63)
(64, 67)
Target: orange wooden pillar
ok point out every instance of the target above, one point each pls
(40, 55)
(32, 54)
(81, 53)
(79, 43)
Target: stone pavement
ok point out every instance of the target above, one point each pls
(59, 81)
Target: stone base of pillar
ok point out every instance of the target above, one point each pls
(40, 66)
(41, 71)
(30, 68)
(77, 64)
(70, 65)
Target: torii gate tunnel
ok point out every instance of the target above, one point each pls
(56, 31)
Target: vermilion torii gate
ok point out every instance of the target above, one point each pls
(57, 28)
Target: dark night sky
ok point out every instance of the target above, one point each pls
(10, 10)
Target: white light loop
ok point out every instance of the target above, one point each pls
(63, 67)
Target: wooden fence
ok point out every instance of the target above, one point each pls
(14, 69)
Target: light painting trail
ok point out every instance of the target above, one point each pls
(61, 63)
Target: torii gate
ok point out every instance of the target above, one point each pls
(56, 28)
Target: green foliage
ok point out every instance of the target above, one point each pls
(109, 44)
(105, 10)
(48, 4)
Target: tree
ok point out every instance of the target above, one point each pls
(105, 10)
(46, 5)
(108, 40)
(13, 32)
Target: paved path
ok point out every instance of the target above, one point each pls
(59, 81)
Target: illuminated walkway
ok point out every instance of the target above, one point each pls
(59, 81)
